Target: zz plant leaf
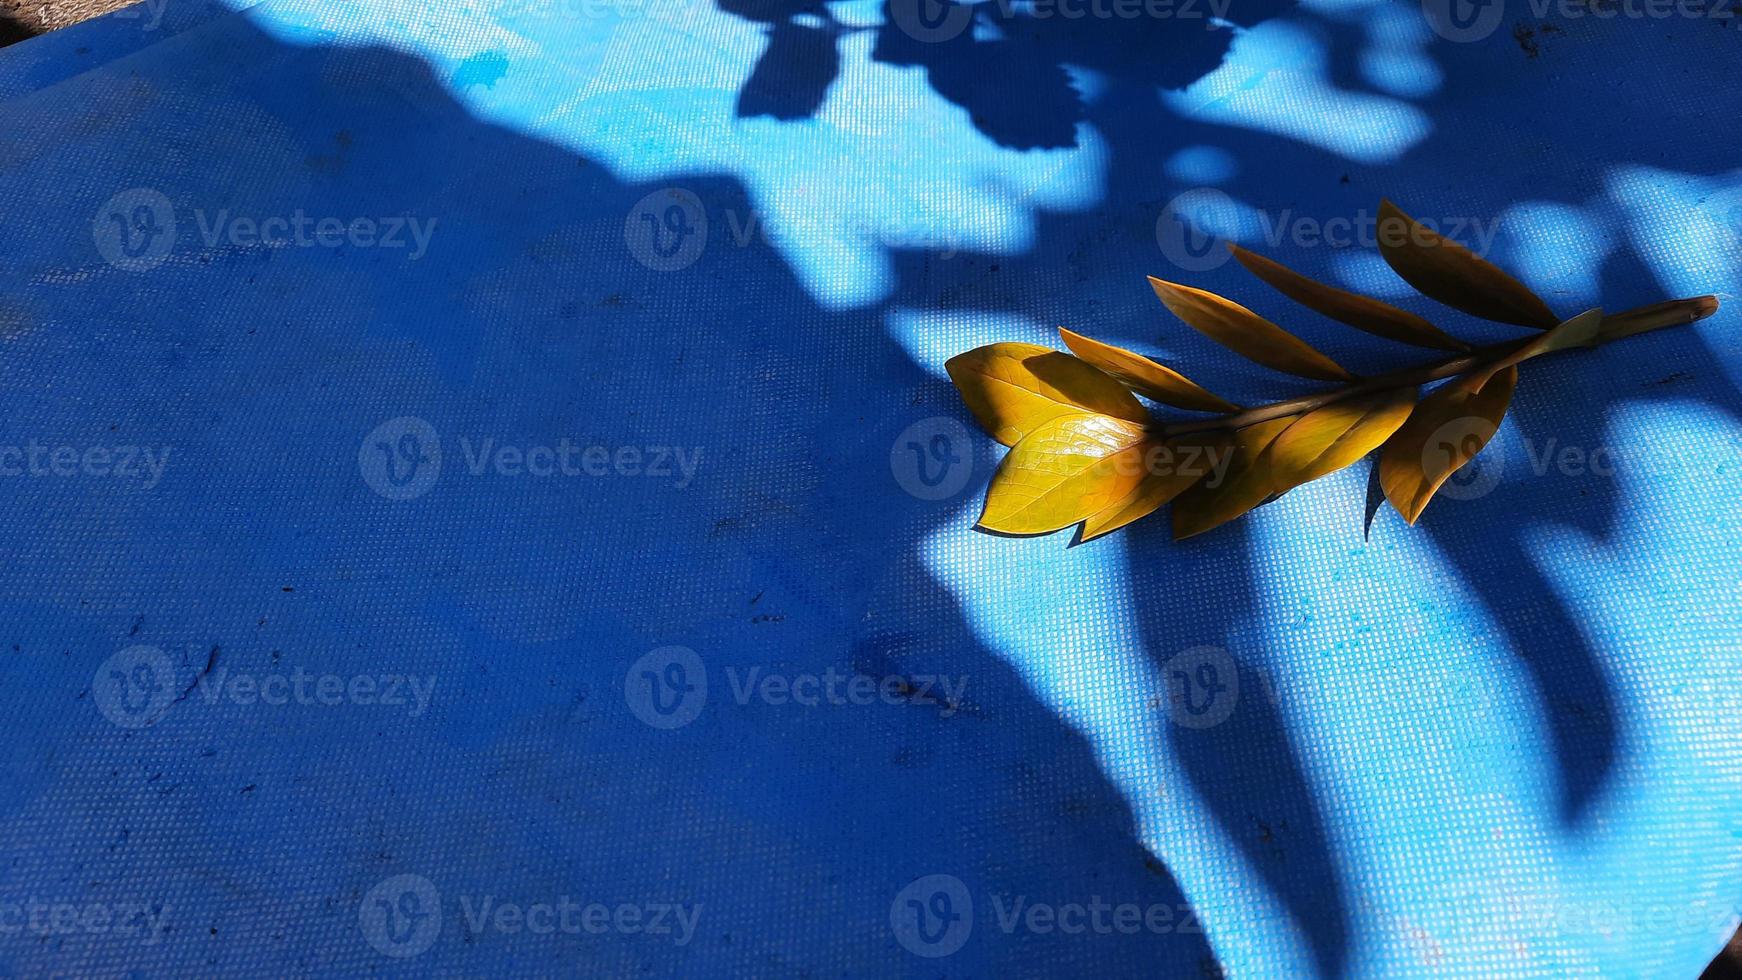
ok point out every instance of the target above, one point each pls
(1085, 452)
(1013, 389)
(1068, 469)
(1444, 432)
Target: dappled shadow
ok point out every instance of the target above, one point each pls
(1085, 271)
(1004, 63)
(801, 62)
(1238, 754)
(530, 321)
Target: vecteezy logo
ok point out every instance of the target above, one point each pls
(1462, 439)
(667, 687)
(667, 230)
(401, 458)
(1185, 229)
(1203, 685)
(135, 229)
(933, 916)
(401, 916)
(932, 458)
(1463, 21)
(930, 21)
(135, 687)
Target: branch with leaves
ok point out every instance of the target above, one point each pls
(1085, 452)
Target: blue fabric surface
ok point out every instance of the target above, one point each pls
(429, 427)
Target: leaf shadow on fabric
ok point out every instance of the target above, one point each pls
(1250, 774)
(1003, 63)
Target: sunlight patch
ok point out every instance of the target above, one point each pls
(1559, 250)
(1064, 622)
(1276, 81)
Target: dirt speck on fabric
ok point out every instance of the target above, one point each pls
(15, 321)
(1526, 39)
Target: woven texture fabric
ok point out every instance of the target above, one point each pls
(481, 497)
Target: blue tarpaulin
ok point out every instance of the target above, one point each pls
(481, 496)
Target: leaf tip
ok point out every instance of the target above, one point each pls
(1163, 287)
(959, 363)
(1182, 531)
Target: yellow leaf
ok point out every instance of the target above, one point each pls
(1446, 271)
(1361, 312)
(1446, 430)
(1014, 388)
(1187, 460)
(1241, 486)
(1580, 331)
(1246, 333)
(1067, 469)
(1327, 439)
(1145, 376)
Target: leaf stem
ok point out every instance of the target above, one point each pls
(1635, 321)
